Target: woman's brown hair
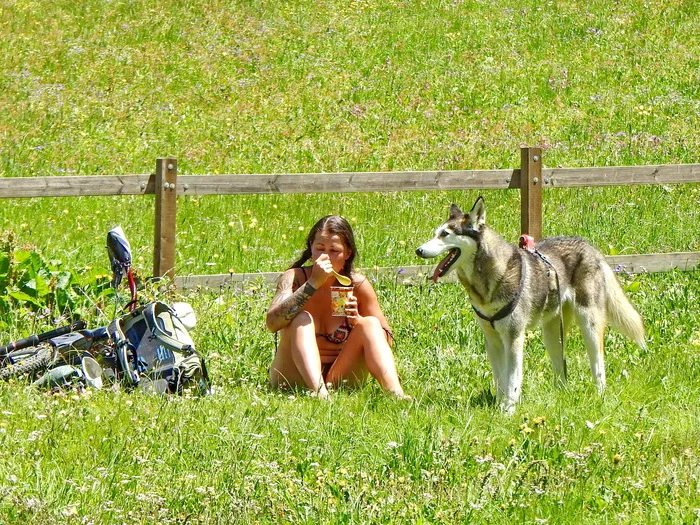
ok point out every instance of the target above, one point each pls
(335, 225)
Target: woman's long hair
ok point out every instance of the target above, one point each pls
(335, 225)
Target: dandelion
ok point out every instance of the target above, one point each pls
(695, 339)
(70, 510)
(525, 429)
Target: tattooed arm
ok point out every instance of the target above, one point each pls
(286, 304)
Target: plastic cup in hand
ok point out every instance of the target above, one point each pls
(339, 298)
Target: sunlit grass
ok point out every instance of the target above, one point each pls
(90, 88)
(248, 454)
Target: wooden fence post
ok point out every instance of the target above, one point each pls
(531, 191)
(165, 212)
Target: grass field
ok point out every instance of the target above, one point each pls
(266, 87)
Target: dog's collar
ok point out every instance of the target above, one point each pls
(507, 309)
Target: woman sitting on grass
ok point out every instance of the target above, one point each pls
(317, 349)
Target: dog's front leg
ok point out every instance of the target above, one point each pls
(496, 356)
(512, 373)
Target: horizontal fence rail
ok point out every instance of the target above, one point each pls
(621, 175)
(645, 263)
(530, 178)
(72, 186)
(104, 185)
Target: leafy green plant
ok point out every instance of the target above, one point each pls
(29, 283)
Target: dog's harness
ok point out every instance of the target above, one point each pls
(507, 309)
(528, 243)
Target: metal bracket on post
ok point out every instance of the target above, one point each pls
(531, 191)
(165, 214)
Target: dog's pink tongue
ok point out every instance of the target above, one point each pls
(439, 270)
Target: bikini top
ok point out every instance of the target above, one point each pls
(340, 334)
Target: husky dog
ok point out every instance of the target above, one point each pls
(513, 289)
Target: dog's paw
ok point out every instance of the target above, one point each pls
(507, 406)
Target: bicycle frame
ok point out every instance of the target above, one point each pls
(35, 339)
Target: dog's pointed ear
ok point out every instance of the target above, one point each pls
(478, 214)
(455, 212)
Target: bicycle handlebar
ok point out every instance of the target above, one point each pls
(35, 339)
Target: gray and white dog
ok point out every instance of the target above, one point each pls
(512, 290)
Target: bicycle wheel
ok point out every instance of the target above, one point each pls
(27, 360)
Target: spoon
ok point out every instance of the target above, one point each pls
(345, 281)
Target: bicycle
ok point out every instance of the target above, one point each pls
(28, 355)
(148, 347)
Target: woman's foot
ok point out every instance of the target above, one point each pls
(322, 393)
(401, 395)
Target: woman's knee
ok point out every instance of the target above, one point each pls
(302, 319)
(369, 323)
(302, 322)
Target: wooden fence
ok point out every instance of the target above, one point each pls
(530, 178)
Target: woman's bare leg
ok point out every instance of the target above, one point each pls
(367, 350)
(297, 361)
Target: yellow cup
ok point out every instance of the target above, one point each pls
(339, 298)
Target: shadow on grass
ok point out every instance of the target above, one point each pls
(483, 399)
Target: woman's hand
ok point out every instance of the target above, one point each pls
(351, 311)
(321, 271)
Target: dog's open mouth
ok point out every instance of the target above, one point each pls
(446, 263)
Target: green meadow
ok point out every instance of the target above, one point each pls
(106, 87)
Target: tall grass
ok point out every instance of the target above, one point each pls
(258, 87)
(254, 87)
(247, 454)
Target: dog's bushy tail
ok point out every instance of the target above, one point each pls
(620, 313)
